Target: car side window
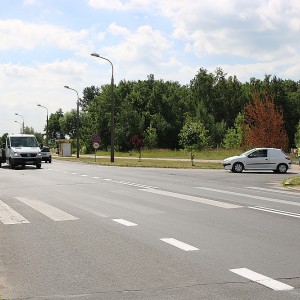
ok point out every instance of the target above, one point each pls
(259, 153)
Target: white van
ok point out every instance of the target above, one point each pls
(259, 159)
(22, 150)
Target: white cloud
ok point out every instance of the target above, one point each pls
(19, 34)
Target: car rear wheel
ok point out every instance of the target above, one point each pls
(38, 166)
(237, 167)
(282, 168)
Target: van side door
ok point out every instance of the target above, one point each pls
(258, 160)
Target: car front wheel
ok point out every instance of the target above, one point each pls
(237, 167)
(282, 168)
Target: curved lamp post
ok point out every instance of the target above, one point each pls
(23, 129)
(77, 120)
(46, 123)
(20, 125)
(112, 130)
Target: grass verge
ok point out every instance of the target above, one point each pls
(125, 162)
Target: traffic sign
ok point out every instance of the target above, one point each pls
(96, 145)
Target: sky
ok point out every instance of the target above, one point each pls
(46, 44)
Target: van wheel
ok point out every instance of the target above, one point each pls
(282, 168)
(38, 166)
(237, 167)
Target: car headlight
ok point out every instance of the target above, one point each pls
(39, 154)
(16, 154)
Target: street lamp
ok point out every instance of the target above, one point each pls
(77, 121)
(20, 125)
(112, 130)
(47, 123)
(23, 129)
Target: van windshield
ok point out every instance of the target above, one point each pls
(23, 141)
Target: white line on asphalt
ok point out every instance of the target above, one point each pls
(9, 216)
(95, 177)
(251, 196)
(46, 209)
(74, 173)
(178, 244)
(261, 279)
(131, 183)
(192, 198)
(276, 191)
(275, 211)
(124, 222)
(84, 175)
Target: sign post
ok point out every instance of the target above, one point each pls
(96, 146)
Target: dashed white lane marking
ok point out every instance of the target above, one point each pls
(8, 216)
(261, 279)
(276, 191)
(251, 196)
(124, 222)
(130, 183)
(84, 175)
(179, 244)
(276, 211)
(192, 198)
(48, 210)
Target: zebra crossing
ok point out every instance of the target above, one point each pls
(9, 216)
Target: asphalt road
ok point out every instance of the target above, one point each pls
(75, 231)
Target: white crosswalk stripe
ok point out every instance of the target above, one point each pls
(8, 216)
(46, 209)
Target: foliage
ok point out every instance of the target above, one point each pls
(297, 136)
(234, 136)
(158, 110)
(264, 123)
(193, 136)
(54, 125)
(151, 137)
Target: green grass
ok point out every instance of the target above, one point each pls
(125, 162)
(212, 154)
(292, 181)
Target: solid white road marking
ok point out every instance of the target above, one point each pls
(9, 216)
(178, 244)
(263, 280)
(124, 222)
(192, 198)
(47, 210)
(250, 196)
(276, 211)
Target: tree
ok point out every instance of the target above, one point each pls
(234, 136)
(297, 135)
(264, 123)
(89, 93)
(193, 137)
(53, 124)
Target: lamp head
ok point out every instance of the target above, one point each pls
(95, 54)
(67, 87)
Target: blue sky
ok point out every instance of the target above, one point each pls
(46, 44)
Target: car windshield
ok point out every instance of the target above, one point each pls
(23, 141)
(45, 149)
(246, 153)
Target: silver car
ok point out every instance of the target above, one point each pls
(46, 154)
(259, 159)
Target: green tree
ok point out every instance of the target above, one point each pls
(297, 135)
(54, 125)
(89, 93)
(234, 136)
(193, 137)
